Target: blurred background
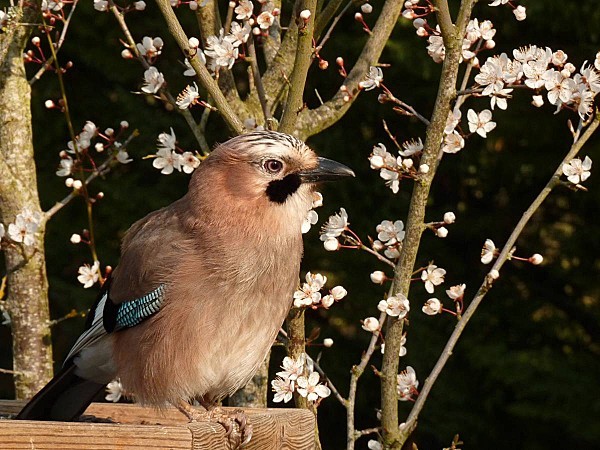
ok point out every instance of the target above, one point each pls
(525, 374)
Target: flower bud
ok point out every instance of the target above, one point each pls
(432, 307)
(193, 5)
(441, 232)
(422, 32)
(194, 43)
(35, 41)
(490, 44)
(109, 132)
(323, 64)
(536, 259)
(255, 31)
(449, 217)
(124, 124)
(126, 54)
(419, 22)
(331, 244)
(49, 104)
(327, 342)
(305, 15)
(69, 182)
(99, 147)
(424, 168)
(140, 6)
(520, 13)
(339, 61)
(378, 277)
(494, 274)
(366, 8)
(75, 238)
(537, 101)
(77, 184)
(100, 195)
(338, 293)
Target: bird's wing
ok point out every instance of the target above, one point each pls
(136, 288)
(106, 316)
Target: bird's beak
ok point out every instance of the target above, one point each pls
(327, 170)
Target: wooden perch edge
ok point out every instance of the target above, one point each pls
(135, 427)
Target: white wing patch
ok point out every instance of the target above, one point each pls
(94, 333)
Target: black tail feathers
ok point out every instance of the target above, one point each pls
(64, 398)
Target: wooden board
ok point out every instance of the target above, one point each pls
(135, 427)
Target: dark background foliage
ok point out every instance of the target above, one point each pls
(525, 374)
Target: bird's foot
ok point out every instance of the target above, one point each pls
(237, 426)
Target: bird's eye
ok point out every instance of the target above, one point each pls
(273, 165)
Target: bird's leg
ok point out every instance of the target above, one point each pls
(190, 412)
(237, 426)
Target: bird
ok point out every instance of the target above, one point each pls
(203, 285)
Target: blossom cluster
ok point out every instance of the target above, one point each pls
(333, 229)
(407, 384)
(392, 169)
(298, 376)
(389, 238)
(309, 294)
(169, 157)
(80, 148)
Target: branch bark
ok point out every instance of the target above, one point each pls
(392, 435)
(27, 301)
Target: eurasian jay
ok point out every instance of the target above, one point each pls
(203, 285)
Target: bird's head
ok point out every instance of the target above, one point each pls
(265, 172)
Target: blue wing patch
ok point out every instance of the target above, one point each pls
(133, 312)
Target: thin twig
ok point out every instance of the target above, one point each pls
(260, 89)
(102, 169)
(332, 26)
(59, 44)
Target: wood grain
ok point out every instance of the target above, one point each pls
(136, 427)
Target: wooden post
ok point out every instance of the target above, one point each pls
(124, 426)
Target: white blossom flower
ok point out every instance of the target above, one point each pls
(407, 383)
(153, 80)
(292, 368)
(283, 388)
(265, 19)
(453, 142)
(327, 301)
(589, 76)
(480, 123)
(380, 157)
(88, 275)
(456, 292)
(244, 10)
(432, 276)
(490, 76)
(432, 307)
(371, 324)
(392, 252)
(335, 225)
(436, 48)
(577, 171)
(411, 147)
(66, 167)
(189, 162)
(166, 160)
(373, 79)
(560, 88)
(167, 141)
(390, 232)
(311, 388)
(452, 121)
(338, 293)
(123, 156)
(221, 50)
(150, 47)
(392, 179)
(395, 306)
(114, 391)
(239, 34)
(520, 13)
(188, 97)
(488, 251)
(316, 280)
(499, 98)
(101, 5)
(311, 218)
(26, 225)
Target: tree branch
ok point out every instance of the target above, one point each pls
(487, 283)
(313, 121)
(301, 64)
(223, 106)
